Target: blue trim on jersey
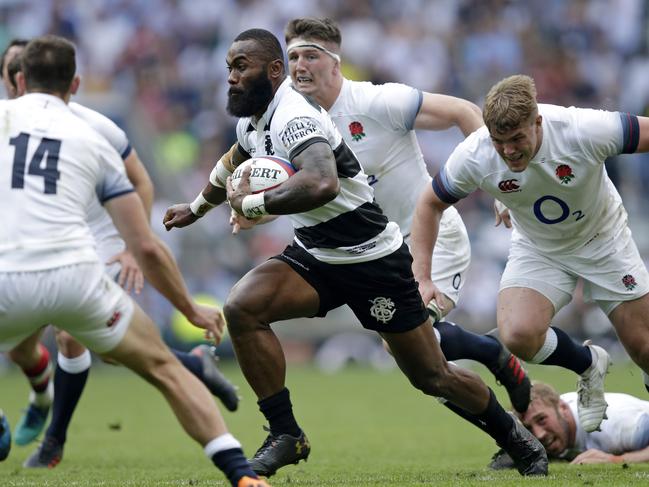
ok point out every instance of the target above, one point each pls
(630, 133)
(420, 101)
(126, 152)
(440, 186)
(115, 195)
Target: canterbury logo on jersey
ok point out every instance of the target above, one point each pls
(509, 186)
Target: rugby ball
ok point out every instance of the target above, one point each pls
(266, 173)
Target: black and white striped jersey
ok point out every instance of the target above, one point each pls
(349, 229)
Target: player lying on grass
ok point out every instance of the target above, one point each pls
(554, 420)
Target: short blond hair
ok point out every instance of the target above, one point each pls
(510, 103)
(545, 394)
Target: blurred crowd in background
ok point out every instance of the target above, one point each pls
(157, 68)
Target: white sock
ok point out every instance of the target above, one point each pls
(221, 443)
(549, 346)
(43, 399)
(74, 365)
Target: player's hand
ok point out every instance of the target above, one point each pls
(130, 274)
(235, 196)
(594, 456)
(502, 214)
(240, 222)
(429, 292)
(210, 319)
(178, 216)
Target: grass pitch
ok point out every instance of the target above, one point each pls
(367, 428)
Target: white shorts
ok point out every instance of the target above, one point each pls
(612, 271)
(80, 299)
(451, 255)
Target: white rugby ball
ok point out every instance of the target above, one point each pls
(266, 172)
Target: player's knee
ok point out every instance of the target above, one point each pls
(68, 345)
(239, 316)
(519, 341)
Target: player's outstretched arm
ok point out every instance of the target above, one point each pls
(184, 214)
(157, 263)
(425, 227)
(597, 456)
(139, 177)
(440, 112)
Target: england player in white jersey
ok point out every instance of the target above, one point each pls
(53, 165)
(378, 123)
(73, 359)
(546, 164)
(553, 419)
(345, 252)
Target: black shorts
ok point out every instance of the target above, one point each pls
(382, 293)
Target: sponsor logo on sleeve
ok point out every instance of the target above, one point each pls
(300, 129)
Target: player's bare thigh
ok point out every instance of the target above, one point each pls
(523, 317)
(631, 322)
(271, 292)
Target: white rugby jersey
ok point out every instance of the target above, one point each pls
(351, 228)
(109, 242)
(377, 123)
(564, 199)
(52, 166)
(626, 429)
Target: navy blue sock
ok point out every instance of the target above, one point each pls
(569, 354)
(471, 418)
(498, 423)
(192, 362)
(67, 391)
(233, 464)
(458, 343)
(278, 410)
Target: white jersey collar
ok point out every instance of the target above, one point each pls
(260, 123)
(44, 98)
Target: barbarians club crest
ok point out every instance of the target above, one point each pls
(629, 282)
(564, 173)
(382, 309)
(357, 131)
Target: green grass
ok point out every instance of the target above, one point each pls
(367, 428)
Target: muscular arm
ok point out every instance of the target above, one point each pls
(643, 143)
(313, 185)
(158, 265)
(141, 181)
(439, 112)
(425, 227)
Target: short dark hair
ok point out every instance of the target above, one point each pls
(271, 49)
(49, 64)
(311, 28)
(12, 43)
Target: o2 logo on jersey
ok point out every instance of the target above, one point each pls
(509, 186)
(560, 204)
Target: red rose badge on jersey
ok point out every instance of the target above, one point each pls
(357, 131)
(564, 173)
(629, 282)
